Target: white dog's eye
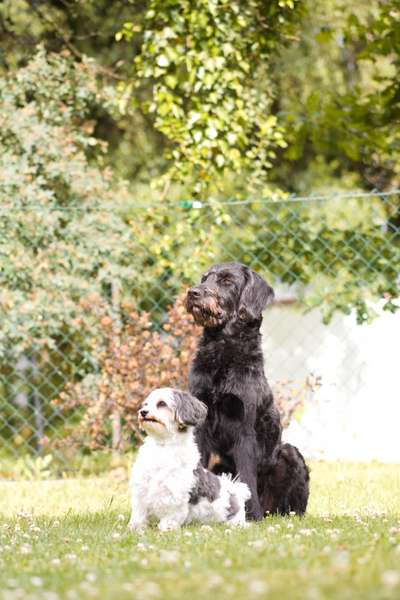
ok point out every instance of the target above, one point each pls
(161, 404)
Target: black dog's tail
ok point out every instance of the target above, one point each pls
(287, 483)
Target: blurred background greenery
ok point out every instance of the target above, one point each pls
(142, 140)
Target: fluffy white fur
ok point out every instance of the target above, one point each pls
(163, 473)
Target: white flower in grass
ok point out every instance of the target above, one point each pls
(215, 580)
(35, 528)
(229, 590)
(47, 595)
(170, 557)
(150, 589)
(257, 587)
(206, 528)
(91, 577)
(25, 549)
(56, 523)
(37, 581)
(71, 556)
(228, 531)
(390, 579)
(84, 548)
(142, 547)
(341, 560)
(313, 593)
(115, 535)
(187, 533)
(306, 532)
(88, 588)
(56, 562)
(227, 562)
(120, 517)
(257, 544)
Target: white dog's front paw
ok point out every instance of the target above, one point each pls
(168, 525)
(136, 526)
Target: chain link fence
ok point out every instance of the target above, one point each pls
(68, 271)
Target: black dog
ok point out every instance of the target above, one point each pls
(243, 425)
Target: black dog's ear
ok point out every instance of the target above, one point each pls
(189, 410)
(255, 296)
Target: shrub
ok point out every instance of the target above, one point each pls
(134, 359)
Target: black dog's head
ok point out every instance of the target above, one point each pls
(228, 292)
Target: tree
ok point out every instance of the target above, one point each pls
(338, 96)
(56, 247)
(87, 29)
(196, 72)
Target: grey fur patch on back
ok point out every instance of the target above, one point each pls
(207, 485)
(189, 410)
(233, 507)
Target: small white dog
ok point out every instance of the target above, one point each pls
(168, 482)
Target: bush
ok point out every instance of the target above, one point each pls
(134, 359)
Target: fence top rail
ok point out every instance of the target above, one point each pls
(199, 204)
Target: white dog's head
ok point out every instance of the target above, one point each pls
(167, 411)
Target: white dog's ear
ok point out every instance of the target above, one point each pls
(189, 410)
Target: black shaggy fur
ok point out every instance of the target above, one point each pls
(243, 425)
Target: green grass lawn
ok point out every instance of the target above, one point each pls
(68, 539)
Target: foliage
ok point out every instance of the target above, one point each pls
(61, 246)
(135, 360)
(202, 62)
(185, 76)
(337, 253)
(337, 95)
(56, 247)
(37, 468)
(86, 29)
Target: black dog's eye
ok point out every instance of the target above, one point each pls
(161, 404)
(226, 281)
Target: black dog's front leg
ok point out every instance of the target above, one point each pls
(204, 446)
(245, 457)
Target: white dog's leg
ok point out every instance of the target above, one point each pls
(173, 520)
(138, 519)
